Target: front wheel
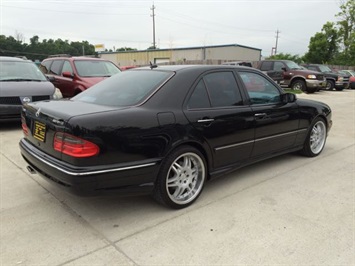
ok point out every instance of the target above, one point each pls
(181, 178)
(298, 85)
(316, 138)
(330, 85)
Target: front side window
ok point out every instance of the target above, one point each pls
(278, 66)
(55, 67)
(260, 89)
(67, 67)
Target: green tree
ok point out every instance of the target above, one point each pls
(323, 46)
(346, 23)
(281, 56)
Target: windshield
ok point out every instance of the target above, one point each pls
(127, 88)
(20, 71)
(324, 69)
(292, 65)
(95, 68)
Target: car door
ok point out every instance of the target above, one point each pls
(276, 122)
(216, 111)
(273, 70)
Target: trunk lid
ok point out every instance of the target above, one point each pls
(44, 119)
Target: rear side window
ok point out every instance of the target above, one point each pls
(199, 98)
(222, 89)
(217, 89)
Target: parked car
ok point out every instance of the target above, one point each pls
(238, 63)
(166, 130)
(73, 75)
(351, 74)
(288, 73)
(335, 80)
(21, 82)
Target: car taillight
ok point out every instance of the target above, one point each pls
(24, 128)
(74, 146)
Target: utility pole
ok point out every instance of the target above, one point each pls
(277, 40)
(153, 15)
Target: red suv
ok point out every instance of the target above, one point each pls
(73, 75)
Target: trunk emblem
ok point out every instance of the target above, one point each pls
(38, 112)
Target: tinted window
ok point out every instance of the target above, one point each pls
(278, 66)
(312, 68)
(266, 66)
(222, 89)
(124, 89)
(260, 89)
(199, 98)
(55, 67)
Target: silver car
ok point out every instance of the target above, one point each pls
(21, 82)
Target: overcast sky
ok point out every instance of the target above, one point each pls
(178, 23)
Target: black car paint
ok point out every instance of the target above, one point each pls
(132, 137)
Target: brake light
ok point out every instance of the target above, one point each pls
(24, 127)
(74, 146)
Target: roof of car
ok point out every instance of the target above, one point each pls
(181, 67)
(10, 58)
(54, 57)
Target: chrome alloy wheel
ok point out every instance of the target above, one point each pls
(185, 178)
(317, 137)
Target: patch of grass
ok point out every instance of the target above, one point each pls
(292, 91)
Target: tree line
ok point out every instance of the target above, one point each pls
(334, 44)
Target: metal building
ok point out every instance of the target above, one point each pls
(202, 54)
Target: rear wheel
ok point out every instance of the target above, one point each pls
(316, 138)
(181, 178)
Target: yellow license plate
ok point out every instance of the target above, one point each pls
(39, 131)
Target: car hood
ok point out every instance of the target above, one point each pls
(66, 109)
(26, 88)
(306, 72)
(90, 81)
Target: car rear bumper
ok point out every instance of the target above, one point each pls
(137, 178)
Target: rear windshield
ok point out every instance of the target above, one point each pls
(127, 88)
(95, 68)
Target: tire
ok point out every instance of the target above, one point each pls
(181, 178)
(316, 138)
(330, 85)
(298, 85)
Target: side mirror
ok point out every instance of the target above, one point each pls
(50, 78)
(284, 69)
(67, 74)
(288, 97)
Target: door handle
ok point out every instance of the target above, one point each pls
(260, 115)
(205, 120)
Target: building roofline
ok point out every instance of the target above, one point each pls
(184, 48)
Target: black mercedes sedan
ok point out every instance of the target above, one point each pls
(166, 130)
